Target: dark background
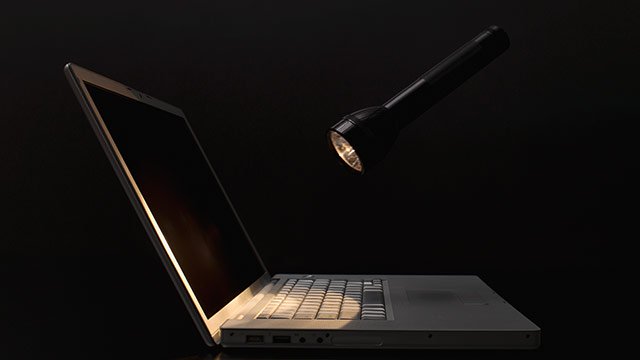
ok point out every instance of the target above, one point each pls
(521, 176)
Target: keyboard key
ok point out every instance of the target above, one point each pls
(281, 316)
(332, 298)
(373, 312)
(373, 317)
(366, 310)
(349, 315)
(305, 316)
(327, 316)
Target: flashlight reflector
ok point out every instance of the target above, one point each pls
(346, 152)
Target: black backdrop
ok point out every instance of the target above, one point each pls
(520, 176)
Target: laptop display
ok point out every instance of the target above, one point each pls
(182, 193)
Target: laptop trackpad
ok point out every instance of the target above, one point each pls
(421, 297)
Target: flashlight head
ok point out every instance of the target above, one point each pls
(361, 139)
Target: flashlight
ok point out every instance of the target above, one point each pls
(361, 139)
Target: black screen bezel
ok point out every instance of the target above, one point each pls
(208, 326)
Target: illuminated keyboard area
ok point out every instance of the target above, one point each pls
(324, 299)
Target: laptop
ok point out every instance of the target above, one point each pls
(233, 299)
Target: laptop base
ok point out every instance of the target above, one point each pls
(434, 312)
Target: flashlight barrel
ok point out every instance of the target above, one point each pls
(447, 75)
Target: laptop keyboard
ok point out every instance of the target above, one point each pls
(325, 299)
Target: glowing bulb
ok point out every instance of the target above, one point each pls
(346, 152)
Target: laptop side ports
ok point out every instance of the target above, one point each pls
(281, 339)
(254, 339)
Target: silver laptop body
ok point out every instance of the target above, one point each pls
(233, 299)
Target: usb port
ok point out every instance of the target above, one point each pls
(281, 339)
(255, 338)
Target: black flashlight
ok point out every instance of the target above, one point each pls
(362, 138)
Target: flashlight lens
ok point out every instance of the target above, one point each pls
(346, 152)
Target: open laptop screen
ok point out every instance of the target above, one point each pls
(184, 197)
